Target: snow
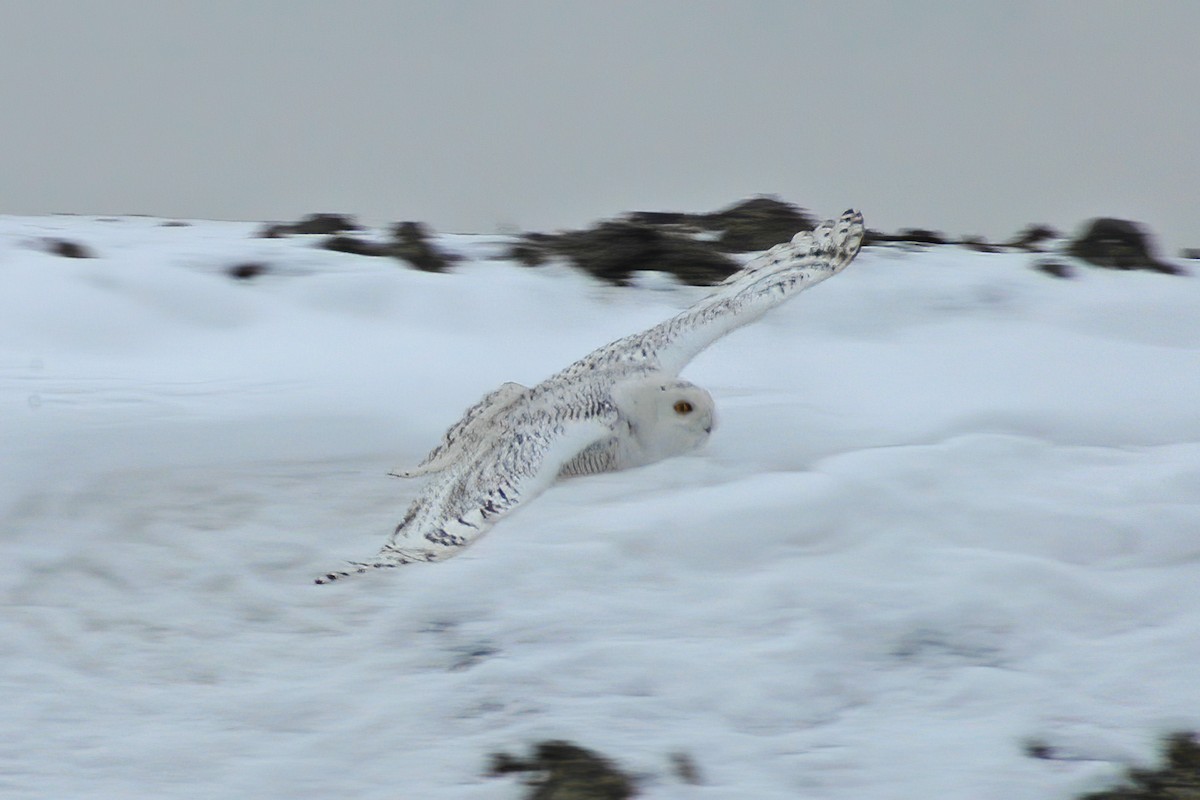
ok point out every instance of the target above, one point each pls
(952, 507)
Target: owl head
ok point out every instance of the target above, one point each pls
(667, 416)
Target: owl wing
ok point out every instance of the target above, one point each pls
(763, 283)
(467, 432)
(525, 448)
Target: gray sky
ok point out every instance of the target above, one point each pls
(970, 117)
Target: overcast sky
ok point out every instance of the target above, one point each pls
(970, 117)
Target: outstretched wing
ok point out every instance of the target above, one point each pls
(526, 450)
(763, 283)
(467, 432)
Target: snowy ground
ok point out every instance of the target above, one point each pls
(952, 507)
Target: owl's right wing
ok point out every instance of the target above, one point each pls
(762, 284)
(523, 452)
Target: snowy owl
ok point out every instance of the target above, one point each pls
(621, 406)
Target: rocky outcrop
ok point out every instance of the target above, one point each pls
(691, 247)
(67, 248)
(696, 248)
(756, 224)
(1118, 244)
(744, 227)
(563, 771)
(1177, 779)
(922, 236)
(614, 250)
(247, 270)
(1032, 237)
(313, 224)
(1054, 268)
(412, 242)
(355, 246)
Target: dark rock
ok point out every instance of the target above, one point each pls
(919, 236)
(979, 244)
(662, 218)
(276, 230)
(246, 271)
(1177, 779)
(1118, 244)
(1031, 237)
(1039, 749)
(530, 252)
(670, 241)
(175, 223)
(614, 250)
(327, 224)
(756, 224)
(904, 236)
(535, 249)
(411, 243)
(684, 767)
(872, 237)
(68, 249)
(354, 246)
(1192, 253)
(747, 226)
(1056, 268)
(321, 224)
(564, 771)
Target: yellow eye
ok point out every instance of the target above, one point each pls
(683, 407)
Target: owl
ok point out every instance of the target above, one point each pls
(621, 406)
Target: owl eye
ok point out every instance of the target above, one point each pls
(683, 407)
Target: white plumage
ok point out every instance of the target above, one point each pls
(620, 406)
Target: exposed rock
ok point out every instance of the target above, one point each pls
(979, 244)
(247, 270)
(1056, 268)
(1192, 253)
(275, 230)
(411, 242)
(354, 246)
(756, 224)
(685, 768)
(1118, 244)
(1032, 236)
(747, 226)
(614, 250)
(1041, 750)
(872, 237)
(564, 771)
(1177, 779)
(323, 224)
(676, 218)
(533, 249)
(68, 249)
(920, 236)
(689, 246)
(904, 236)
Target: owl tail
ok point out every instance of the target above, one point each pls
(356, 568)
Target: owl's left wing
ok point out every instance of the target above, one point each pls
(466, 434)
(525, 453)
